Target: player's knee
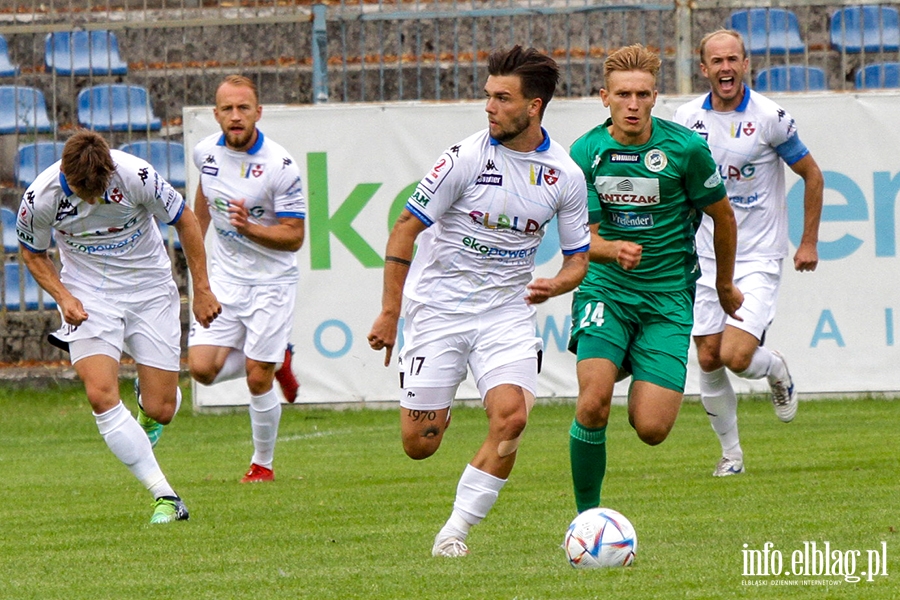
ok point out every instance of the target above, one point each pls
(420, 448)
(653, 434)
(591, 411)
(259, 385)
(202, 374)
(737, 361)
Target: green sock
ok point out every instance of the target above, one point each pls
(587, 451)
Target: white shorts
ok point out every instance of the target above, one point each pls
(255, 319)
(439, 346)
(759, 281)
(146, 325)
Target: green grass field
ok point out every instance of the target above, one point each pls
(349, 516)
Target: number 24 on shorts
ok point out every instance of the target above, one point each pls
(593, 314)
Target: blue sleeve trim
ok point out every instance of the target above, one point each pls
(178, 216)
(792, 150)
(419, 214)
(290, 215)
(32, 250)
(577, 250)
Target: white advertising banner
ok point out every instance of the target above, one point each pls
(360, 163)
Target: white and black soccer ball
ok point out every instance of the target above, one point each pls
(600, 537)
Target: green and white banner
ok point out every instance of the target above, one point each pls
(836, 326)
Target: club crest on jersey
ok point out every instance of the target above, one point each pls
(656, 160)
(742, 128)
(254, 169)
(551, 176)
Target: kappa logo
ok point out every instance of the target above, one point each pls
(144, 174)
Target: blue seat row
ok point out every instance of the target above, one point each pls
(112, 107)
(32, 293)
(166, 157)
(79, 53)
(853, 29)
(791, 78)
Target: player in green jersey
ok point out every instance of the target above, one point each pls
(648, 179)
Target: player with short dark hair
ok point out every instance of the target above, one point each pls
(649, 181)
(115, 292)
(251, 193)
(479, 216)
(751, 138)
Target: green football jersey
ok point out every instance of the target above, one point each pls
(650, 195)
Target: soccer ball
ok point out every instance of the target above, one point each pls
(600, 537)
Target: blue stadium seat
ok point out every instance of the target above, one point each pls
(7, 68)
(84, 53)
(791, 78)
(879, 75)
(23, 110)
(32, 290)
(33, 158)
(116, 107)
(166, 157)
(772, 30)
(10, 241)
(865, 28)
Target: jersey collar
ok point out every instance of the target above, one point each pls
(542, 147)
(254, 148)
(65, 185)
(707, 102)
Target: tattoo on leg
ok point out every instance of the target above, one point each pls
(422, 415)
(431, 432)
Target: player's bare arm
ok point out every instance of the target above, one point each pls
(205, 305)
(201, 211)
(627, 254)
(286, 236)
(45, 273)
(398, 258)
(573, 270)
(725, 246)
(807, 255)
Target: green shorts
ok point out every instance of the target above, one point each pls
(647, 333)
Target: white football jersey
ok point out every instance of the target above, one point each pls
(748, 145)
(113, 245)
(487, 208)
(268, 179)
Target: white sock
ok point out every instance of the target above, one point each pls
(235, 366)
(762, 362)
(720, 402)
(265, 414)
(475, 495)
(129, 443)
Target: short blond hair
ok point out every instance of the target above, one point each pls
(735, 34)
(632, 58)
(241, 81)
